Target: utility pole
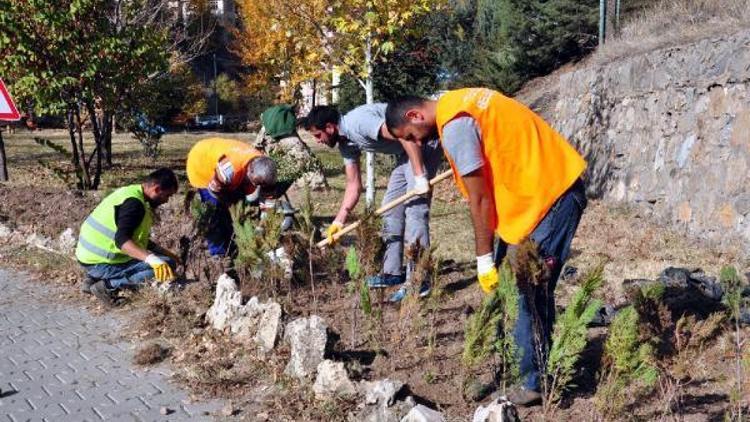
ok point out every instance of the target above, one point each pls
(602, 21)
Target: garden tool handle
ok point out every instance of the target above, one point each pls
(386, 207)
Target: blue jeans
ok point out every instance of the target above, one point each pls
(130, 274)
(219, 231)
(553, 236)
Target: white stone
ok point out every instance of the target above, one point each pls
(382, 391)
(226, 304)
(269, 327)
(39, 241)
(5, 231)
(66, 242)
(245, 322)
(420, 413)
(253, 323)
(332, 381)
(500, 410)
(307, 338)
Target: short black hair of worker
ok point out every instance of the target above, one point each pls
(320, 116)
(397, 108)
(164, 178)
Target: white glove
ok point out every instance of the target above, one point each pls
(421, 185)
(253, 196)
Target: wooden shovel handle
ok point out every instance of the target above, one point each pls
(386, 207)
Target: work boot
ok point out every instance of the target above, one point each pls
(86, 284)
(104, 293)
(381, 281)
(523, 397)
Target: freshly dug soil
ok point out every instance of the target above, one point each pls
(46, 211)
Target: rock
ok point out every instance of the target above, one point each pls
(269, 327)
(500, 410)
(165, 411)
(382, 413)
(382, 391)
(39, 241)
(332, 381)
(253, 323)
(420, 413)
(307, 338)
(228, 410)
(5, 231)
(66, 242)
(226, 304)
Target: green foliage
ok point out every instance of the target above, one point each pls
(489, 330)
(289, 169)
(629, 363)
(58, 52)
(356, 273)
(228, 92)
(202, 213)
(503, 43)
(352, 264)
(732, 285)
(570, 334)
(255, 239)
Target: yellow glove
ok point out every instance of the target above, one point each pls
(334, 228)
(488, 281)
(487, 273)
(162, 270)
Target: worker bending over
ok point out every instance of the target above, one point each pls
(363, 129)
(522, 179)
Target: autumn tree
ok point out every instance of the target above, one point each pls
(282, 43)
(297, 41)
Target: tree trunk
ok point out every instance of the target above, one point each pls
(99, 140)
(370, 98)
(82, 150)
(3, 162)
(74, 148)
(107, 128)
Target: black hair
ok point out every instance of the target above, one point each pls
(320, 116)
(397, 108)
(164, 178)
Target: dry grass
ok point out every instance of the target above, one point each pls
(150, 354)
(675, 22)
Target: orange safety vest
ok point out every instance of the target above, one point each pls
(205, 155)
(527, 164)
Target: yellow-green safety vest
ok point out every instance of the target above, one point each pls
(96, 241)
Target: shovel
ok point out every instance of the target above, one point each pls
(386, 207)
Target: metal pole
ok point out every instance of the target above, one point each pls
(216, 94)
(3, 160)
(602, 21)
(617, 16)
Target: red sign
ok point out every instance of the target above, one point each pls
(8, 110)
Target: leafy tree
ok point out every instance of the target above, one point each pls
(503, 43)
(281, 41)
(228, 92)
(88, 60)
